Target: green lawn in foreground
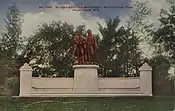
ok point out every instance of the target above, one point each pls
(87, 104)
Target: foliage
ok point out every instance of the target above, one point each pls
(11, 40)
(10, 44)
(118, 50)
(51, 46)
(13, 84)
(10, 87)
(81, 29)
(140, 13)
(164, 38)
(140, 23)
(6, 66)
(139, 20)
(165, 34)
(161, 84)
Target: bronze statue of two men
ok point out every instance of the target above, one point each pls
(85, 48)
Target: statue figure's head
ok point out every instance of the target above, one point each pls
(89, 32)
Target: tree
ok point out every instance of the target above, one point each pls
(11, 41)
(140, 13)
(81, 29)
(118, 50)
(6, 65)
(51, 49)
(165, 35)
(141, 26)
(164, 38)
(139, 19)
(161, 83)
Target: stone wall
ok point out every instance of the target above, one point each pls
(103, 87)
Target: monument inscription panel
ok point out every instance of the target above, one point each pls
(86, 79)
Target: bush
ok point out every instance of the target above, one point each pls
(161, 84)
(2, 76)
(13, 84)
(10, 87)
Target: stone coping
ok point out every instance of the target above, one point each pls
(86, 66)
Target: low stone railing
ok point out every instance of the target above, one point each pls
(129, 86)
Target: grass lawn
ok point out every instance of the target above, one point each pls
(88, 104)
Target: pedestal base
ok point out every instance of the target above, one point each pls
(86, 79)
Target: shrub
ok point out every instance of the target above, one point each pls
(13, 83)
(2, 76)
(10, 87)
(161, 84)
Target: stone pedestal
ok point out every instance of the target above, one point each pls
(85, 79)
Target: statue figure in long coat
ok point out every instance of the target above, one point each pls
(91, 47)
(79, 48)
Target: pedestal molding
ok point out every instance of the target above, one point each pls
(85, 66)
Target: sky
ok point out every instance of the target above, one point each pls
(34, 16)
